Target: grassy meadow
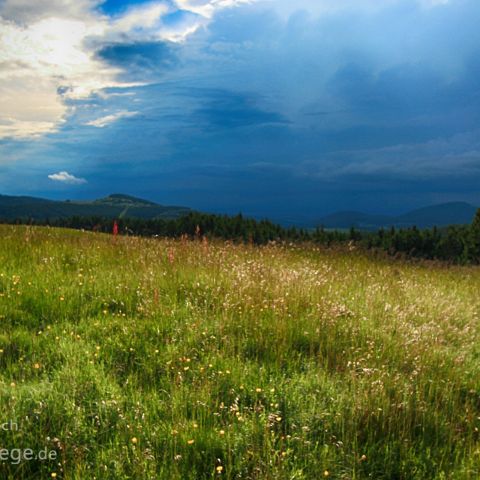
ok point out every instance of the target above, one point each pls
(155, 359)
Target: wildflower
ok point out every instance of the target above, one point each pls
(326, 473)
(191, 442)
(53, 475)
(219, 469)
(258, 390)
(222, 432)
(363, 458)
(134, 440)
(36, 366)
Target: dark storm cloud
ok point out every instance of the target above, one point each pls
(142, 61)
(224, 109)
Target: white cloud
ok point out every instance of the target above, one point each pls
(144, 17)
(38, 59)
(207, 8)
(67, 178)
(26, 11)
(47, 47)
(108, 119)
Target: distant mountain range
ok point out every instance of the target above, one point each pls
(113, 206)
(454, 213)
(124, 206)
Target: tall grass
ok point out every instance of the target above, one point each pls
(159, 359)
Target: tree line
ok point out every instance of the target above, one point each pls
(459, 244)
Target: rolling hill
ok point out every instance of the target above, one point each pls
(453, 213)
(124, 206)
(113, 206)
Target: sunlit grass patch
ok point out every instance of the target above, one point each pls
(165, 359)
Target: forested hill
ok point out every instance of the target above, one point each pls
(456, 243)
(113, 206)
(24, 208)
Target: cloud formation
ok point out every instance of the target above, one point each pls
(49, 54)
(66, 178)
(275, 105)
(108, 119)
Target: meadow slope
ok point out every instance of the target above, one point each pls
(167, 359)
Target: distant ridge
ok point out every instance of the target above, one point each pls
(124, 200)
(118, 205)
(114, 206)
(452, 213)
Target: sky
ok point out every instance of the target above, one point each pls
(275, 108)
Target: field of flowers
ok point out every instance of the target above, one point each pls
(129, 358)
